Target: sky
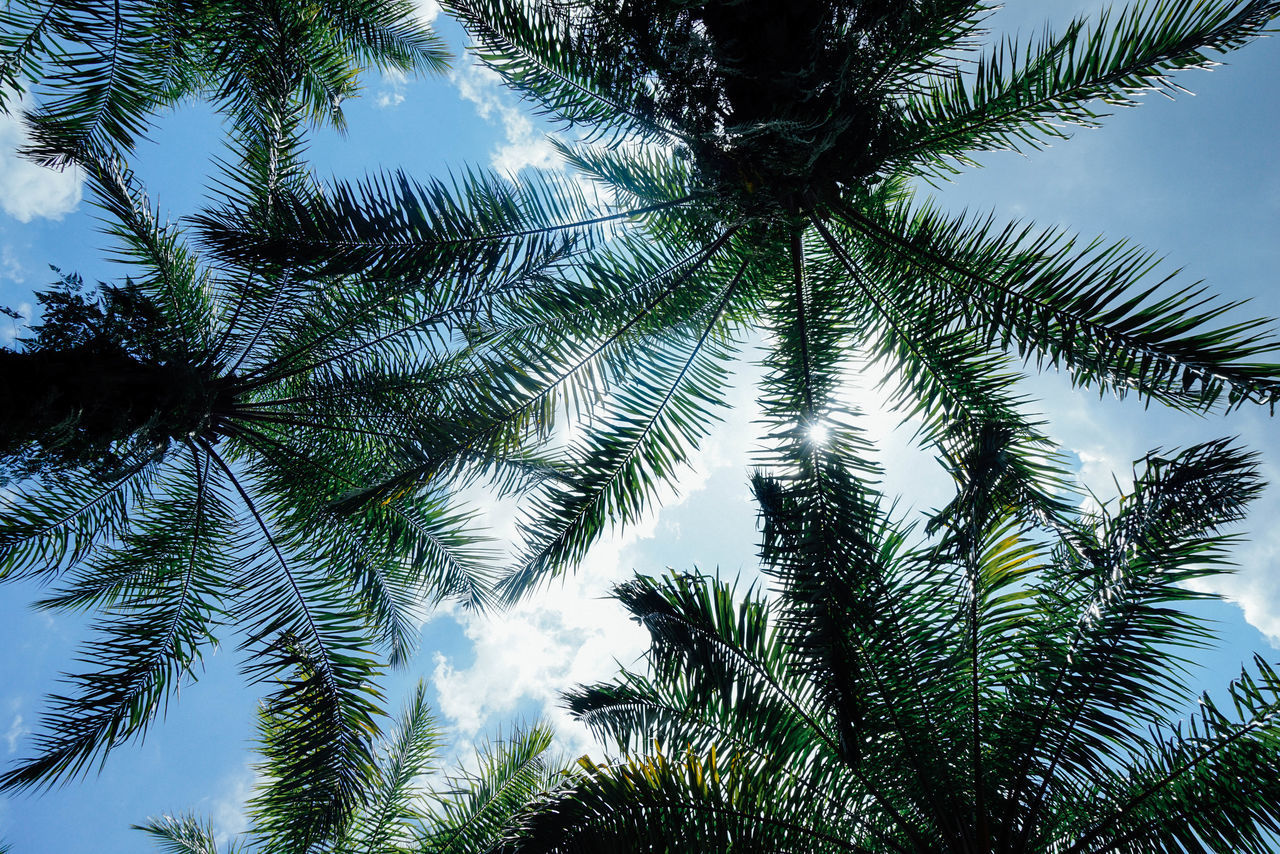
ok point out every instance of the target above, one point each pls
(1194, 179)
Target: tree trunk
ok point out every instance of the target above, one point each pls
(78, 403)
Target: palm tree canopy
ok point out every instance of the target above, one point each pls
(186, 482)
(468, 812)
(100, 70)
(764, 166)
(994, 686)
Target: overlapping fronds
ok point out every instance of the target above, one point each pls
(477, 812)
(635, 445)
(98, 72)
(737, 136)
(393, 800)
(983, 689)
(706, 801)
(157, 589)
(1022, 96)
(352, 796)
(317, 744)
(1082, 306)
(261, 398)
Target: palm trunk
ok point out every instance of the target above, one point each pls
(80, 402)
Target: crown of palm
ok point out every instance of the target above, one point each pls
(388, 808)
(241, 509)
(762, 167)
(991, 688)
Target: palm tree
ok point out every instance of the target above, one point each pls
(100, 70)
(764, 164)
(993, 686)
(184, 438)
(472, 812)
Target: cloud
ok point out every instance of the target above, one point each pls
(11, 268)
(392, 92)
(427, 10)
(524, 146)
(556, 638)
(28, 191)
(227, 810)
(1254, 587)
(16, 730)
(571, 632)
(1255, 583)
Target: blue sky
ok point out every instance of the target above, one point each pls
(1195, 179)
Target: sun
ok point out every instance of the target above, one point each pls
(818, 434)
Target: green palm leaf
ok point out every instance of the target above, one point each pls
(1019, 97)
(99, 72)
(348, 796)
(993, 686)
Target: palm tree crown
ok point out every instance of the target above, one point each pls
(194, 431)
(387, 808)
(763, 164)
(992, 687)
(100, 70)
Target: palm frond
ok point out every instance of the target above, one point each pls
(150, 640)
(478, 810)
(1081, 308)
(703, 801)
(181, 834)
(1184, 795)
(1022, 96)
(317, 735)
(636, 446)
(391, 227)
(54, 526)
(381, 824)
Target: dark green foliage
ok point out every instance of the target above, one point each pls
(100, 70)
(390, 810)
(230, 497)
(95, 385)
(992, 687)
(762, 163)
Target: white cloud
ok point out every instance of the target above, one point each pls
(571, 632)
(17, 729)
(392, 92)
(10, 267)
(1101, 470)
(553, 640)
(427, 10)
(227, 810)
(28, 191)
(1255, 583)
(1255, 587)
(524, 146)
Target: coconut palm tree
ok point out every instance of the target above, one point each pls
(390, 810)
(982, 685)
(764, 165)
(182, 439)
(100, 70)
